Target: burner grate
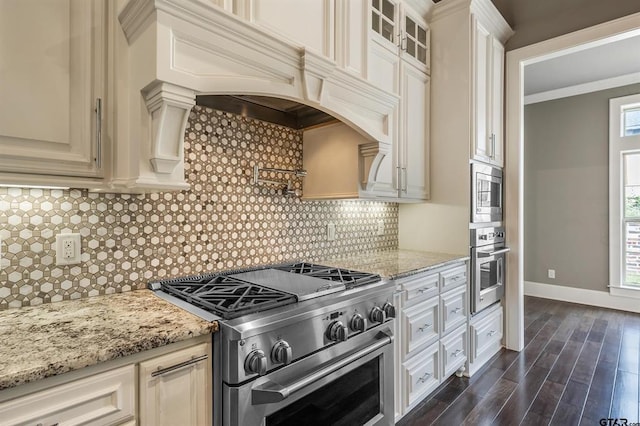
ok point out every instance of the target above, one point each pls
(348, 277)
(226, 296)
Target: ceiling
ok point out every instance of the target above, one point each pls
(610, 60)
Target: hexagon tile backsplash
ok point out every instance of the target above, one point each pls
(223, 222)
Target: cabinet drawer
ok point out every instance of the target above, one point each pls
(107, 398)
(420, 287)
(453, 307)
(486, 333)
(454, 351)
(421, 325)
(453, 278)
(421, 374)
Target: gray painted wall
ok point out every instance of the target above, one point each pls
(566, 189)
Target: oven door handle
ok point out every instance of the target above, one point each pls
(493, 253)
(271, 392)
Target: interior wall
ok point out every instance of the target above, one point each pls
(566, 181)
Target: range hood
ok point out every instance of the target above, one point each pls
(185, 51)
(273, 110)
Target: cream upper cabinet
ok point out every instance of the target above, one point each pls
(488, 89)
(413, 140)
(310, 23)
(51, 86)
(467, 39)
(398, 61)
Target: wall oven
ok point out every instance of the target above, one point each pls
(486, 193)
(346, 384)
(488, 255)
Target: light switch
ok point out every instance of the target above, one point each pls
(68, 249)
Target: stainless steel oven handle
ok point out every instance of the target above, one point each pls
(494, 253)
(271, 392)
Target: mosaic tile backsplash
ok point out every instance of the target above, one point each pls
(223, 222)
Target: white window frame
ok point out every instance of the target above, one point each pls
(619, 145)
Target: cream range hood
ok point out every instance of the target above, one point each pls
(182, 50)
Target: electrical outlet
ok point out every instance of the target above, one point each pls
(331, 231)
(68, 249)
(552, 273)
(380, 230)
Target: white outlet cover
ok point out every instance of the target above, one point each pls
(331, 231)
(552, 273)
(75, 242)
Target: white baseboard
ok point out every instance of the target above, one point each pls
(583, 296)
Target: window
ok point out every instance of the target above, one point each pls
(631, 218)
(631, 122)
(624, 193)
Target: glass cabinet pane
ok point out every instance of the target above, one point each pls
(411, 47)
(387, 30)
(375, 22)
(388, 9)
(422, 35)
(410, 27)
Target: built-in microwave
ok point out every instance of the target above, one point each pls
(486, 193)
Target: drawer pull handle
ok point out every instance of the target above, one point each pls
(160, 371)
(456, 278)
(424, 327)
(424, 378)
(456, 311)
(491, 333)
(424, 290)
(457, 353)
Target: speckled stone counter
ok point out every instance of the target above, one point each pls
(51, 339)
(395, 264)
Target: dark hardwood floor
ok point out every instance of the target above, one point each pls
(580, 364)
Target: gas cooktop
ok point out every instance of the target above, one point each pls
(233, 294)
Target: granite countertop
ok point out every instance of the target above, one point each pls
(54, 338)
(395, 264)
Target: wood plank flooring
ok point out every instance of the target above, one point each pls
(580, 364)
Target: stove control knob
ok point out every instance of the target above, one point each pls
(256, 363)
(281, 353)
(337, 332)
(377, 315)
(389, 310)
(358, 323)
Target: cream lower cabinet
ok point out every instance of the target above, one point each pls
(431, 332)
(175, 389)
(485, 337)
(104, 399)
(164, 386)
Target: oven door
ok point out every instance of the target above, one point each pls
(486, 194)
(350, 383)
(488, 269)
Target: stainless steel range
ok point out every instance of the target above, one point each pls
(298, 344)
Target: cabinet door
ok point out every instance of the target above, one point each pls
(482, 92)
(106, 398)
(175, 389)
(497, 112)
(415, 40)
(50, 77)
(309, 23)
(414, 140)
(384, 25)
